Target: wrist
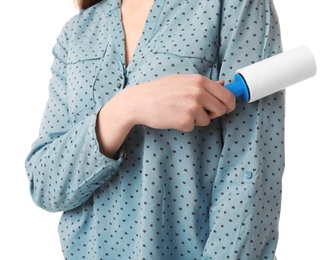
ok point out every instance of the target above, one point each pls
(113, 126)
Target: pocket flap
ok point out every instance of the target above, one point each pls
(81, 52)
(189, 47)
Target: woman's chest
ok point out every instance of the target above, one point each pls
(183, 41)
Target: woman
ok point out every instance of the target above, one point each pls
(142, 147)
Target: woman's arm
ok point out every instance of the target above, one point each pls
(246, 197)
(65, 165)
(174, 101)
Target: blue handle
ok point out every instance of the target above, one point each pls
(239, 88)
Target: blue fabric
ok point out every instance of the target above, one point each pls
(213, 193)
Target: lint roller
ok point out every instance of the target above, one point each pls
(276, 73)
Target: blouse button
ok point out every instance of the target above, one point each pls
(119, 85)
(248, 174)
(121, 76)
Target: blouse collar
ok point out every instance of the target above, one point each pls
(110, 5)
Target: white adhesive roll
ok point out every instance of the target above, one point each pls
(278, 72)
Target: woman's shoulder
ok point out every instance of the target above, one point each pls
(88, 22)
(87, 17)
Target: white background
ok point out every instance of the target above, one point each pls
(28, 33)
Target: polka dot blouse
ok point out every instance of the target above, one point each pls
(213, 193)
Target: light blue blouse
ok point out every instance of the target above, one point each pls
(213, 193)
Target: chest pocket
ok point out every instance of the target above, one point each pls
(192, 54)
(83, 67)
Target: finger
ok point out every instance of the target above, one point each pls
(221, 93)
(213, 106)
(221, 82)
(202, 118)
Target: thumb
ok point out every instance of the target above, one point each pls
(221, 82)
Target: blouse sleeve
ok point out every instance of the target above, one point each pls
(246, 196)
(65, 166)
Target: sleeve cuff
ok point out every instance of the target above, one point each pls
(101, 159)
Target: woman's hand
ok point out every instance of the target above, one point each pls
(176, 101)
